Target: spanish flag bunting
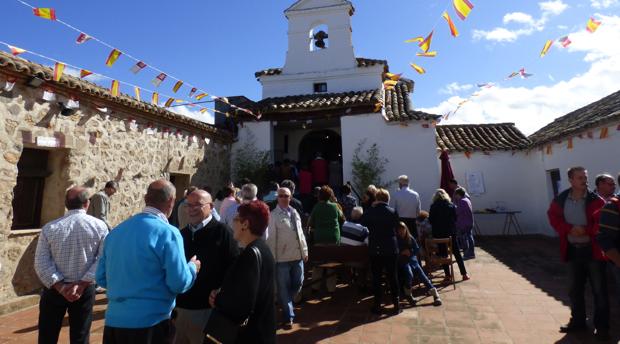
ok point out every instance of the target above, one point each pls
(462, 8)
(546, 48)
(82, 38)
(16, 51)
(453, 31)
(593, 25)
(59, 68)
(177, 86)
(169, 102)
(114, 55)
(137, 92)
(45, 13)
(192, 91)
(415, 39)
(155, 98)
(137, 67)
(203, 110)
(114, 89)
(426, 43)
(159, 79)
(428, 54)
(565, 41)
(200, 96)
(84, 73)
(417, 68)
(393, 76)
(604, 133)
(570, 144)
(468, 154)
(179, 101)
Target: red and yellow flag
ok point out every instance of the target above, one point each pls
(453, 31)
(415, 39)
(417, 68)
(426, 43)
(136, 90)
(114, 55)
(392, 76)
(592, 25)
(428, 54)
(200, 96)
(59, 68)
(546, 48)
(390, 83)
(203, 110)
(45, 13)
(155, 98)
(16, 51)
(84, 73)
(177, 86)
(169, 102)
(462, 8)
(114, 89)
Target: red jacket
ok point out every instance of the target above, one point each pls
(556, 218)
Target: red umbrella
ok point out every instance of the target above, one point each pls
(446, 173)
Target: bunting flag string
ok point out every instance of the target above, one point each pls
(546, 48)
(50, 13)
(425, 45)
(114, 89)
(415, 39)
(155, 99)
(169, 102)
(16, 51)
(115, 84)
(462, 8)
(138, 67)
(565, 41)
(82, 38)
(417, 68)
(137, 93)
(59, 68)
(453, 31)
(159, 79)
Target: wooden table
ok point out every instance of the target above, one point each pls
(510, 221)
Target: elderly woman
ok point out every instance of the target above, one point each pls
(246, 298)
(442, 217)
(324, 222)
(288, 245)
(464, 222)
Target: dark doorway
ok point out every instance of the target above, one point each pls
(326, 142)
(28, 192)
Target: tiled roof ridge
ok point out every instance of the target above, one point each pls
(398, 107)
(480, 137)
(33, 69)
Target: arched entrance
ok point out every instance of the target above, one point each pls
(327, 142)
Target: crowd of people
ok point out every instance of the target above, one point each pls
(211, 270)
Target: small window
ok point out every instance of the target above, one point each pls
(320, 87)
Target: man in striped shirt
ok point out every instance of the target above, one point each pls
(354, 234)
(66, 262)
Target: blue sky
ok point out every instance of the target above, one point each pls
(218, 45)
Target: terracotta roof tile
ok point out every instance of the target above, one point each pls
(480, 137)
(397, 104)
(318, 101)
(592, 115)
(270, 71)
(31, 69)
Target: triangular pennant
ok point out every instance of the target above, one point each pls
(425, 45)
(84, 73)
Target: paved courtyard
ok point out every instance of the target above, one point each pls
(517, 294)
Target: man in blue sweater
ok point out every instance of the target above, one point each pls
(143, 268)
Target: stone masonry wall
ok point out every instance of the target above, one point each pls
(98, 148)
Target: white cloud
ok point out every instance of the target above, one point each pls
(533, 107)
(454, 88)
(598, 4)
(195, 114)
(528, 24)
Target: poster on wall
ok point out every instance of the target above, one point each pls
(475, 183)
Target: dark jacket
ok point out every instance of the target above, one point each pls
(556, 218)
(381, 221)
(608, 236)
(442, 217)
(216, 249)
(244, 287)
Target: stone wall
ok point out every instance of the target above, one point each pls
(97, 147)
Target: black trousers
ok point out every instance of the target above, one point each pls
(387, 263)
(52, 309)
(443, 250)
(158, 334)
(412, 225)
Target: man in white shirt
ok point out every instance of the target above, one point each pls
(407, 204)
(66, 262)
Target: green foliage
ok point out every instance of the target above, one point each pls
(368, 166)
(251, 163)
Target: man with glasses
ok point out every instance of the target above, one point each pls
(212, 243)
(605, 186)
(288, 245)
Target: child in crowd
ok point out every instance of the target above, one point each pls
(409, 265)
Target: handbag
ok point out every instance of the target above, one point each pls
(220, 329)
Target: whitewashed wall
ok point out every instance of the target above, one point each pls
(260, 132)
(411, 150)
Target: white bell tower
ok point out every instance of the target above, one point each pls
(319, 36)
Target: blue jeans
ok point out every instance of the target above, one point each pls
(412, 268)
(290, 277)
(466, 241)
(581, 268)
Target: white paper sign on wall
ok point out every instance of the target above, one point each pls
(47, 141)
(475, 183)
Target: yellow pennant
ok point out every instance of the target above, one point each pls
(177, 86)
(200, 96)
(425, 45)
(415, 39)
(390, 83)
(203, 110)
(546, 48)
(155, 98)
(114, 55)
(393, 76)
(114, 89)
(59, 68)
(453, 31)
(169, 102)
(137, 91)
(428, 54)
(417, 68)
